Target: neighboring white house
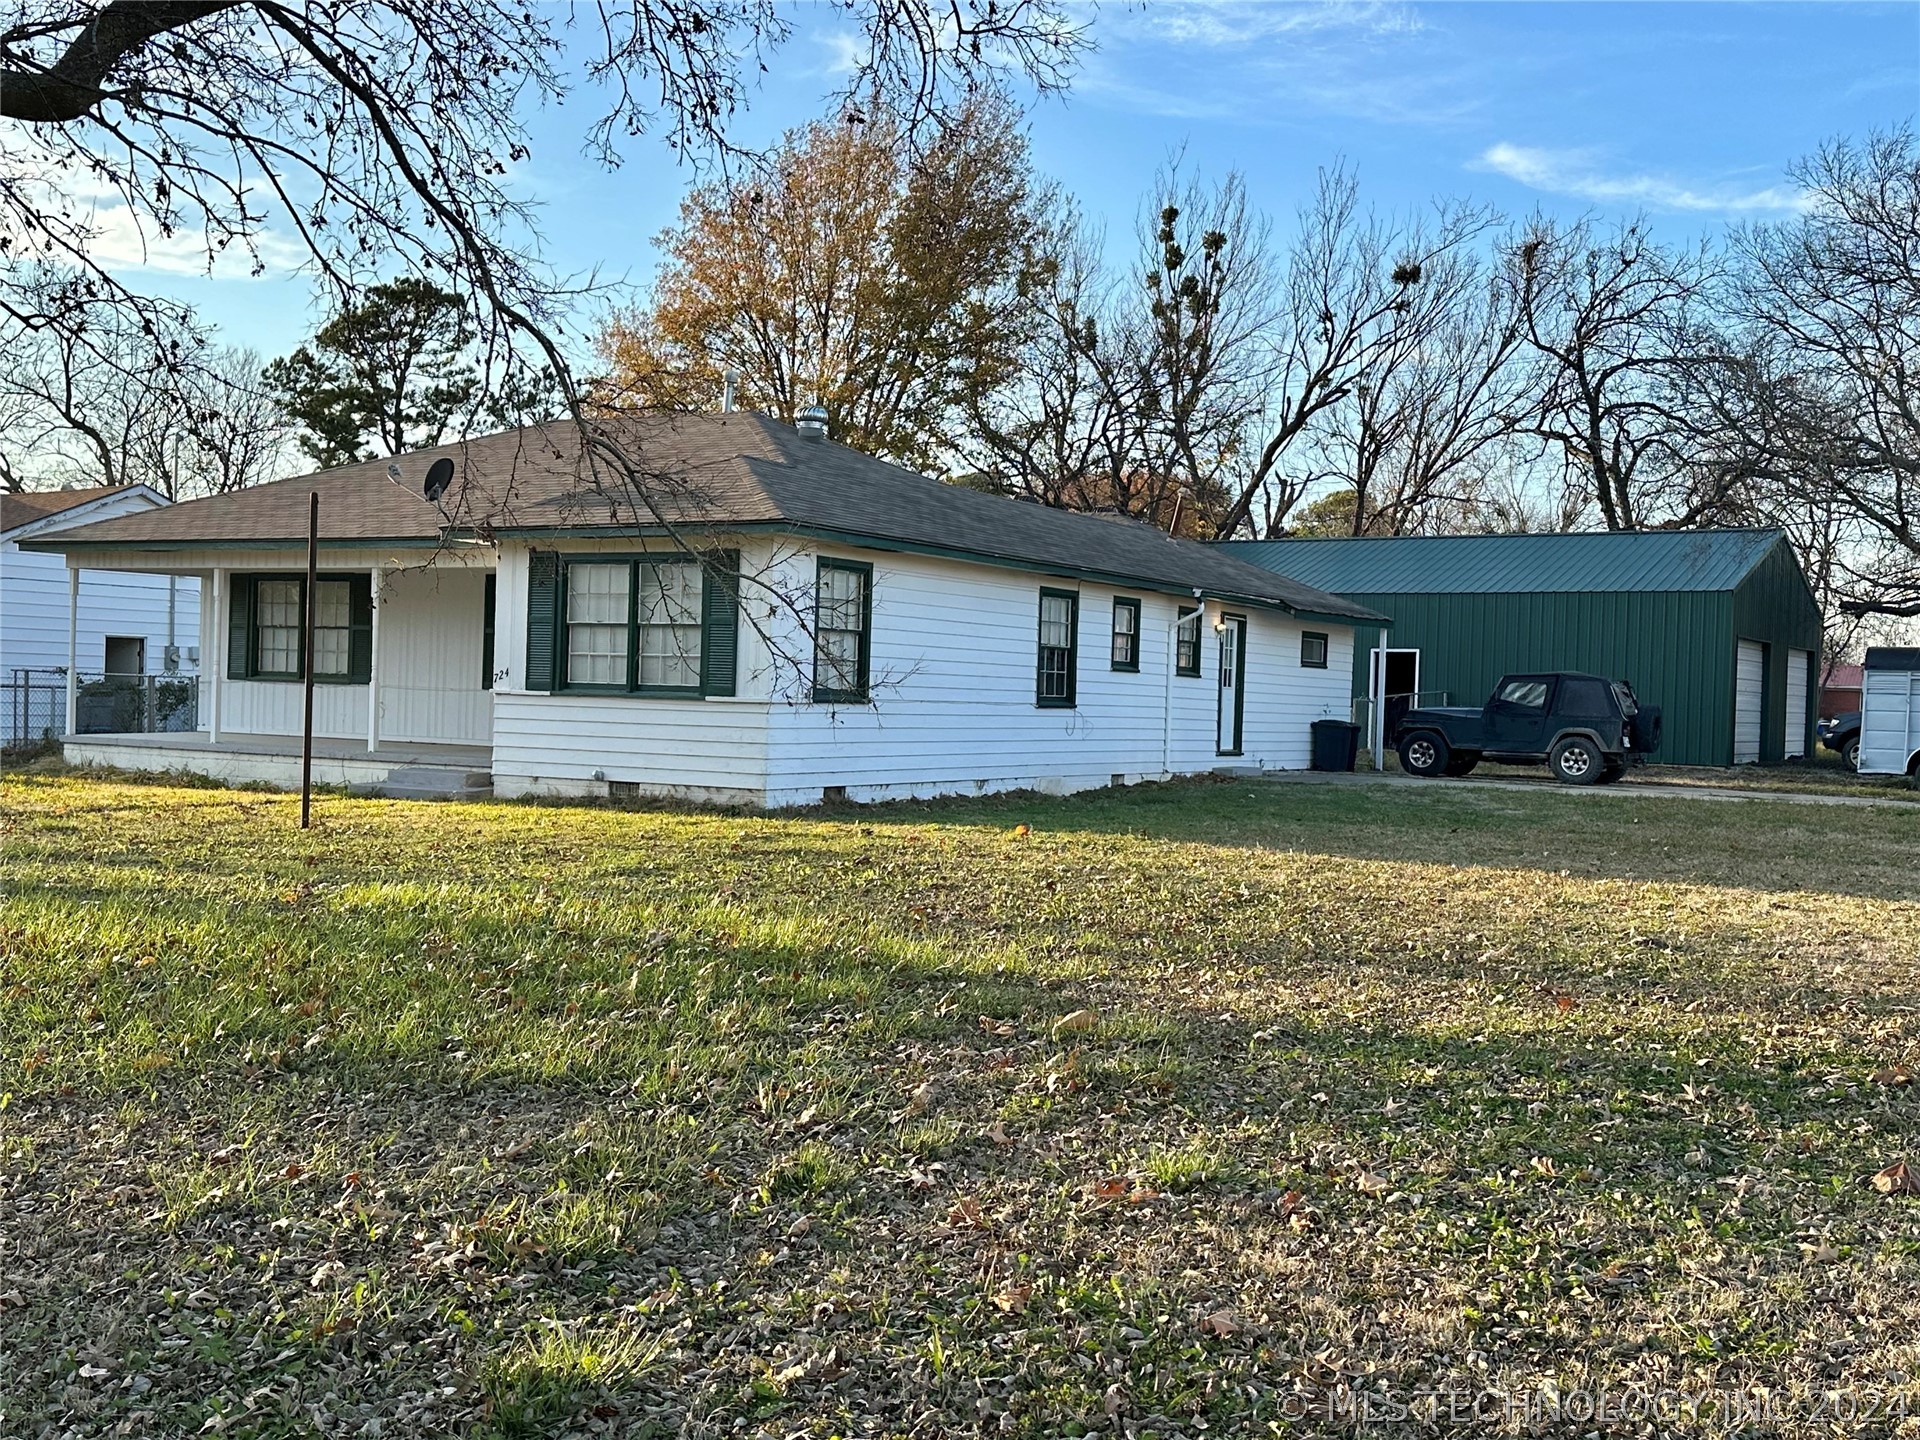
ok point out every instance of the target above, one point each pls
(1890, 711)
(782, 619)
(124, 625)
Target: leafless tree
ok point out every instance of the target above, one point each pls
(1131, 394)
(1833, 301)
(382, 136)
(113, 396)
(1355, 292)
(1420, 434)
(1618, 325)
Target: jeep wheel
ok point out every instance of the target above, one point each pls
(1850, 753)
(1424, 753)
(1576, 761)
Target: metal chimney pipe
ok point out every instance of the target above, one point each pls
(731, 383)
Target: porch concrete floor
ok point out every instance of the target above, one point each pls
(396, 752)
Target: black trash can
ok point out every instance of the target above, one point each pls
(1336, 743)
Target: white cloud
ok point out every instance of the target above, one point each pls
(1575, 173)
(1220, 24)
(120, 241)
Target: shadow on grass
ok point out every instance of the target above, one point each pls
(1742, 845)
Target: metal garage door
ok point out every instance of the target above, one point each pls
(1799, 668)
(1749, 684)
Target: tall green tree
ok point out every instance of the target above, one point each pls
(390, 374)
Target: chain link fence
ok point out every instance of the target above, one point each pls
(33, 705)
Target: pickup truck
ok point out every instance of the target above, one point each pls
(1584, 728)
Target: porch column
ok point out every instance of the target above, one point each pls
(373, 667)
(216, 650)
(73, 648)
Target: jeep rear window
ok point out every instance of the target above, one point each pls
(1530, 693)
(1584, 697)
(1623, 692)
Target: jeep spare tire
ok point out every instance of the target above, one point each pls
(1645, 728)
(1576, 761)
(1425, 753)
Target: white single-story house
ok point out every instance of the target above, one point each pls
(112, 624)
(783, 620)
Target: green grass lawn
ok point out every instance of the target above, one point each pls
(1198, 1109)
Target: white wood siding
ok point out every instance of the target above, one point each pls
(1749, 686)
(33, 613)
(1799, 688)
(1889, 721)
(699, 749)
(954, 656)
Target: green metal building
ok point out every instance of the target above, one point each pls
(1717, 627)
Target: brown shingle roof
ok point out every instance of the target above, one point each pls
(19, 508)
(709, 471)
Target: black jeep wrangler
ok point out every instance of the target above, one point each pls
(1585, 728)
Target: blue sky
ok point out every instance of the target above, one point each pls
(1688, 111)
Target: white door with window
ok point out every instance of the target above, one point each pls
(1233, 697)
(1799, 686)
(1749, 688)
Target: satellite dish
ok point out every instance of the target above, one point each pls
(439, 477)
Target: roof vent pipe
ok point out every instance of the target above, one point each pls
(730, 382)
(812, 422)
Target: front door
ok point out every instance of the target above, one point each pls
(1516, 716)
(1233, 695)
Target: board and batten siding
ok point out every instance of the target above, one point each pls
(711, 748)
(431, 623)
(954, 655)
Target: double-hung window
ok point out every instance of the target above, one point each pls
(1059, 648)
(842, 631)
(1186, 643)
(634, 624)
(1126, 634)
(1313, 650)
(266, 639)
(277, 630)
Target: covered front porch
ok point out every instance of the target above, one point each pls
(403, 645)
(397, 768)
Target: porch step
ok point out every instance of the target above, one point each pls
(434, 782)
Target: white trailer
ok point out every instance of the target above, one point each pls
(1890, 712)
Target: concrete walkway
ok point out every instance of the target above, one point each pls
(1631, 789)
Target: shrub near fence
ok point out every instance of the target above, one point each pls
(33, 705)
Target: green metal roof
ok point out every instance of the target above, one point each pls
(1643, 560)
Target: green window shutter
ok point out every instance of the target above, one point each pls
(491, 599)
(720, 623)
(543, 619)
(360, 637)
(239, 626)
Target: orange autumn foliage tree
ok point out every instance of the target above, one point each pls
(850, 268)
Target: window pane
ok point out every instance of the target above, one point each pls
(597, 654)
(839, 660)
(1532, 694)
(670, 625)
(276, 619)
(335, 607)
(670, 595)
(597, 594)
(330, 651)
(1056, 621)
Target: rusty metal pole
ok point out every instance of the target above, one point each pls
(308, 610)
